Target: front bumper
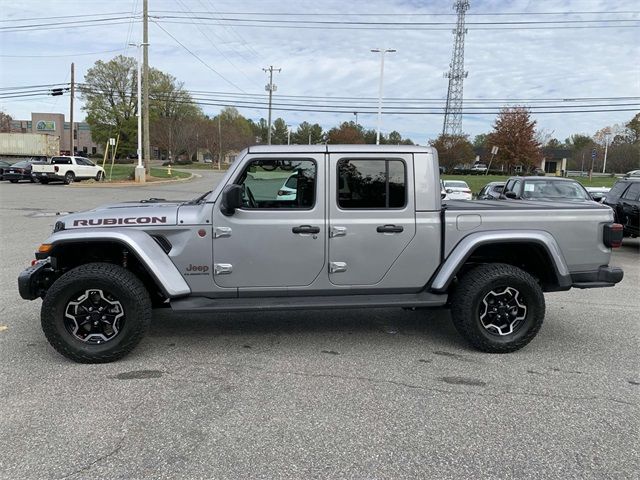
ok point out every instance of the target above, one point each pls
(603, 277)
(33, 282)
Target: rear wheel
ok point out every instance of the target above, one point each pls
(498, 308)
(44, 181)
(69, 177)
(96, 313)
(13, 181)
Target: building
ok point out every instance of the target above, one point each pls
(55, 124)
(553, 162)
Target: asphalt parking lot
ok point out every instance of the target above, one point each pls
(341, 394)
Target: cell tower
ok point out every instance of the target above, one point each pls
(456, 75)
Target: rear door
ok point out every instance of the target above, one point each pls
(630, 203)
(371, 215)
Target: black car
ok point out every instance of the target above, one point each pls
(545, 189)
(3, 166)
(491, 191)
(624, 198)
(20, 171)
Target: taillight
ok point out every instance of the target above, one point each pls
(56, 168)
(282, 193)
(613, 234)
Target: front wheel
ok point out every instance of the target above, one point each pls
(99, 177)
(498, 308)
(43, 181)
(96, 313)
(13, 181)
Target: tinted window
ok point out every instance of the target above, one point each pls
(22, 164)
(371, 184)
(60, 161)
(279, 184)
(554, 189)
(632, 192)
(509, 186)
(617, 190)
(498, 188)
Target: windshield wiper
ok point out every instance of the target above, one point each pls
(199, 199)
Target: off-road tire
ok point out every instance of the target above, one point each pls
(467, 301)
(125, 287)
(69, 177)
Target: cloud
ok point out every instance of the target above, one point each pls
(558, 63)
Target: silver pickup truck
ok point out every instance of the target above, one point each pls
(317, 227)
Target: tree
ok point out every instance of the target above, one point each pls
(5, 122)
(279, 132)
(515, 136)
(634, 129)
(110, 101)
(480, 141)
(453, 150)
(307, 134)
(346, 133)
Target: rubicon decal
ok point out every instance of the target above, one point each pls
(95, 222)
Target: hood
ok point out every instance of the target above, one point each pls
(129, 214)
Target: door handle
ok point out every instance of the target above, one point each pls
(305, 229)
(389, 229)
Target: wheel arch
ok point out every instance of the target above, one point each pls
(143, 254)
(535, 252)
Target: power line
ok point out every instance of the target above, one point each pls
(198, 58)
(62, 16)
(64, 55)
(396, 14)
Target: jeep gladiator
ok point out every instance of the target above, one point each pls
(317, 227)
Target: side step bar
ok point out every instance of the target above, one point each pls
(204, 304)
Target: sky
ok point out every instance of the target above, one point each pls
(514, 63)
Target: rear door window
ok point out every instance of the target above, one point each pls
(632, 192)
(617, 190)
(371, 184)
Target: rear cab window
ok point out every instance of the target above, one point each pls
(61, 161)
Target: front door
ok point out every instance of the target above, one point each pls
(277, 239)
(371, 215)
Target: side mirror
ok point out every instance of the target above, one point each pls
(511, 195)
(231, 199)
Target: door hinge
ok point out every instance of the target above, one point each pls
(222, 268)
(337, 267)
(337, 232)
(222, 232)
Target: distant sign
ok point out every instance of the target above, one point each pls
(45, 126)
(594, 153)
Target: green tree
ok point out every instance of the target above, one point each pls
(634, 129)
(279, 132)
(5, 122)
(453, 150)
(307, 134)
(480, 141)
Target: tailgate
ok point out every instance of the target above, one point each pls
(43, 168)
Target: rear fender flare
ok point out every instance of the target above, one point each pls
(465, 248)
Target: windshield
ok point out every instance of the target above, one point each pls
(554, 189)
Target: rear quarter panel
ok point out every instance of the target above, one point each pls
(577, 230)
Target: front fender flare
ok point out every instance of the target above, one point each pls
(465, 248)
(138, 242)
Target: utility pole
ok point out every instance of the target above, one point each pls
(382, 51)
(606, 148)
(139, 172)
(219, 143)
(145, 85)
(356, 114)
(270, 88)
(456, 75)
(71, 130)
(288, 134)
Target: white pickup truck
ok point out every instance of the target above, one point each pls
(67, 170)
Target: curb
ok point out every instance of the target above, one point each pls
(133, 184)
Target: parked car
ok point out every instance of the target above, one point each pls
(597, 193)
(289, 188)
(21, 170)
(67, 169)
(624, 198)
(491, 191)
(385, 242)
(457, 190)
(3, 166)
(633, 173)
(545, 189)
(479, 168)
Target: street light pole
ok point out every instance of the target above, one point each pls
(288, 134)
(382, 51)
(139, 173)
(606, 148)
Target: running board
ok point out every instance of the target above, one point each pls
(204, 304)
